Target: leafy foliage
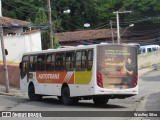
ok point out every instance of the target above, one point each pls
(41, 18)
(96, 12)
(142, 8)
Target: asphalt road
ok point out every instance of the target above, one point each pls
(148, 99)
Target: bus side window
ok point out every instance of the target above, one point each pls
(60, 61)
(41, 62)
(81, 60)
(90, 59)
(48, 62)
(70, 60)
(84, 56)
(53, 62)
(78, 60)
(33, 62)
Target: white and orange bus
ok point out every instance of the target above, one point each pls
(99, 72)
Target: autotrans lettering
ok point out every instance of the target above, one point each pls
(48, 76)
(55, 77)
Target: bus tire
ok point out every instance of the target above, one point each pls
(66, 99)
(32, 95)
(100, 100)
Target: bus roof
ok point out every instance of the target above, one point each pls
(70, 48)
(62, 49)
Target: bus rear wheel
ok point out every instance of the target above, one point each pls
(100, 100)
(32, 95)
(66, 99)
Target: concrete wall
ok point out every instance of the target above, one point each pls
(19, 44)
(148, 59)
(13, 74)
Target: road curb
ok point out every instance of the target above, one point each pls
(7, 94)
(141, 72)
(11, 94)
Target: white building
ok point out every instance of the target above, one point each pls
(16, 40)
(20, 43)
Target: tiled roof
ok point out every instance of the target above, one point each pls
(6, 21)
(83, 35)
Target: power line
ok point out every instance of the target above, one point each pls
(118, 30)
(71, 24)
(107, 25)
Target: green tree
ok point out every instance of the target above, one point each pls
(22, 9)
(142, 9)
(41, 18)
(105, 9)
(82, 11)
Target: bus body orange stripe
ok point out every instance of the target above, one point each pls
(55, 77)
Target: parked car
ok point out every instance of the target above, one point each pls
(149, 48)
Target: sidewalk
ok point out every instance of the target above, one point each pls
(16, 91)
(13, 91)
(144, 71)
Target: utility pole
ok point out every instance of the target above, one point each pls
(112, 31)
(50, 24)
(118, 31)
(4, 60)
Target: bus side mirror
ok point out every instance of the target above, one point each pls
(6, 52)
(20, 65)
